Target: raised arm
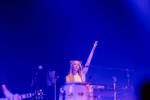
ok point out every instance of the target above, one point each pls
(87, 64)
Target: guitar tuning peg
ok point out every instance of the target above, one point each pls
(38, 94)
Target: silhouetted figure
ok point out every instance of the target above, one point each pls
(145, 90)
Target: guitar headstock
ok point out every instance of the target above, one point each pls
(38, 94)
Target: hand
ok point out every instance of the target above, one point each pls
(95, 43)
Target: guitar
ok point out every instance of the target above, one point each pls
(37, 95)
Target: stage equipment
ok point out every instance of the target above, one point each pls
(76, 91)
(51, 80)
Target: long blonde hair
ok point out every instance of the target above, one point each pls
(70, 75)
(71, 66)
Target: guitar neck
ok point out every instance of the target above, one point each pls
(25, 96)
(22, 96)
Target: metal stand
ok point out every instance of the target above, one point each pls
(35, 78)
(129, 84)
(115, 93)
(55, 87)
(128, 77)
(51, 80)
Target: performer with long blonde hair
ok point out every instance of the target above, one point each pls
(77, 71)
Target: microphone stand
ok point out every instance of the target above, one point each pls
(115, 93)
(55, 86)
(128, 78)
(34, 78)
(129, 84)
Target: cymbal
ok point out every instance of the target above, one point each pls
(120, 69)
(126, 70)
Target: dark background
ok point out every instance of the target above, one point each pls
(53, 32)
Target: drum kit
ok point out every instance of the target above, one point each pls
(88, 91)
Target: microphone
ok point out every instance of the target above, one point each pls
(39, 69)
(34, 77)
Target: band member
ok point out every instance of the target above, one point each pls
(5, 90)
(77, 72)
